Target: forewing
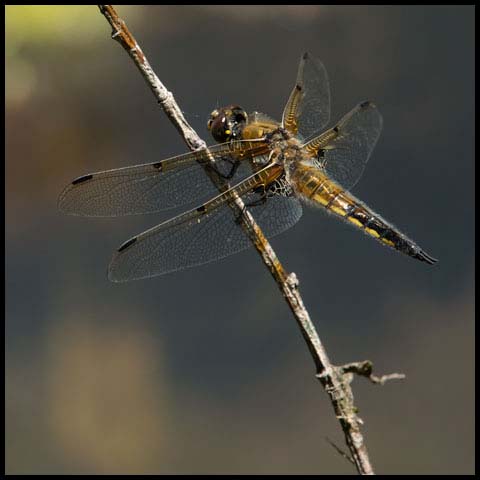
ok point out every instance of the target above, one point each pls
(308, 108)
(209, 232)
(152, 187)
(344, 150)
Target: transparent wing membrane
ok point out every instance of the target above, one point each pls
(308, 108)
(209, 232)
(270, 173)
(344, 150)
(152, 187)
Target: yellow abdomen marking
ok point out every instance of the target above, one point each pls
(338, 210)
(316, 186)
(322, 199)
(356, 222)
(372, 232)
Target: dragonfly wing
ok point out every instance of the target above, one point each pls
(201, 235)
(308, 108)
(152, 187)
(279, 212)
(344, 150)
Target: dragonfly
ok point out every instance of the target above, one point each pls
(274, 167)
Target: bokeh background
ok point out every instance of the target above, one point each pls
(204, 371)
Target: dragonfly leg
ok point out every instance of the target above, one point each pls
(263, 192)
(260, 190)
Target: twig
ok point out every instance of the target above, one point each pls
(334, 379)
(365, 369)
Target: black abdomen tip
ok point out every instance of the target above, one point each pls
(425, 257)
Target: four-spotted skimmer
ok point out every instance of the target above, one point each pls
(275, 166)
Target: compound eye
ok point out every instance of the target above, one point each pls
(240, 117)
(213, 116)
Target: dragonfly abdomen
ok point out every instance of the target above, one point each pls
(375, 226)
(321, 190)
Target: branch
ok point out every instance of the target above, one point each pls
(365, 369)
(335, 380)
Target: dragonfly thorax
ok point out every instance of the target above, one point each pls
(278, 136)
(285, 148)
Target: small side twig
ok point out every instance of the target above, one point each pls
(365, 369)
(335, 380)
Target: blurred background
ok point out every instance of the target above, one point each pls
(204, 371)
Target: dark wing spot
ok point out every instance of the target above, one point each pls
(127, 244)
(298, 87)
(305, 56)
(158, 166)
(82, 179)
(202, 209)
(336, 128)
(365, 104)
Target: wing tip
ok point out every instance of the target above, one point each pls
(82, 179)
(112, 273)
(368, 104)
(126, 244)
(62, 202)
(112, 278)
(365, 104)
(115, 272)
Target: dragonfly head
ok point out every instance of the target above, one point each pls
(227, 123)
